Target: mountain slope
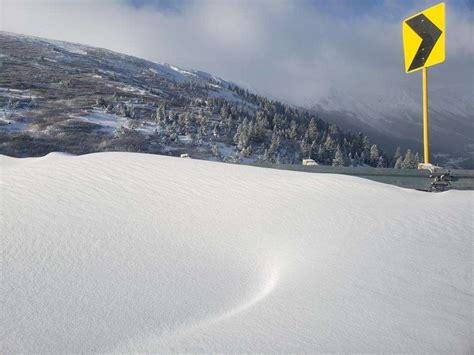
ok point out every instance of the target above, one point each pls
(121, 252)
(58, 96)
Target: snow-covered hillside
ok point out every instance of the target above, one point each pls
(60, 96)
(122, 252)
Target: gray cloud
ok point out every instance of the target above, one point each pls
(286, 49)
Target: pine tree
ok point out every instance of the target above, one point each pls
(417, 160)
(252, 133)
(161, 114)
(356, 161)
(365, 144)
(237, 134)
(266, 156)
(398, 163)
(242, 136)
(312, 129)
(275, 144)
(374, 155)
(323, 153)
(338, 158)
(314, 151)
(292, 134)
(305, 148)
(330, 144)
(381, 162)
(261, 124)
(397, 155)
(409, 161)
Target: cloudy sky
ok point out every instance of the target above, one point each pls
(297, 51)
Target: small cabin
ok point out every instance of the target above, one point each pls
(184, 156)
(309, 162)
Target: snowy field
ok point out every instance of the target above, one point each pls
(122, 252)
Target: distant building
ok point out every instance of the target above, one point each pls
(309, 162)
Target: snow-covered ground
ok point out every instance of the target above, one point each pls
(122, 252)
(106, 120)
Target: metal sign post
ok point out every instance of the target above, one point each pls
(423, 46)
(426, 138)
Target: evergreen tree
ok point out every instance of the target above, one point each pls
(237, 134)
(409, 161)
(417, 160)
(243, 136)
(266, 156)
(292, 134)
(314, 151)
(374, 155)
(312, 129)
(275, 144)
(398, 154)
(252, 133)
(365, 144)
(330, 145)
(323, 153)
(261, 124)
(398, 163)
(305, 148)
(356, 161)
(160, 114)
(338, 158)
(381, 162)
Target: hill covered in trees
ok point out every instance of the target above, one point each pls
(58, 96)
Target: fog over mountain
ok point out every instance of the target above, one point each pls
(344, 58)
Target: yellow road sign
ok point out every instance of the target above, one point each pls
(423, 38)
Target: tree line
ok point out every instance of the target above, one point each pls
(263, 129)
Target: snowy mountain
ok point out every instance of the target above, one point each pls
(58, 96)
(129, 253)
(395, 118)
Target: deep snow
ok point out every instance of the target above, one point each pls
(120, 252)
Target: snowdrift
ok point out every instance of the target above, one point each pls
(121, 252)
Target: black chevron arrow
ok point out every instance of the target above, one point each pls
(429, 33)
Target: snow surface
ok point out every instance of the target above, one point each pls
(107, 120)
(123, 252)
(181, 71)
(68, 47)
